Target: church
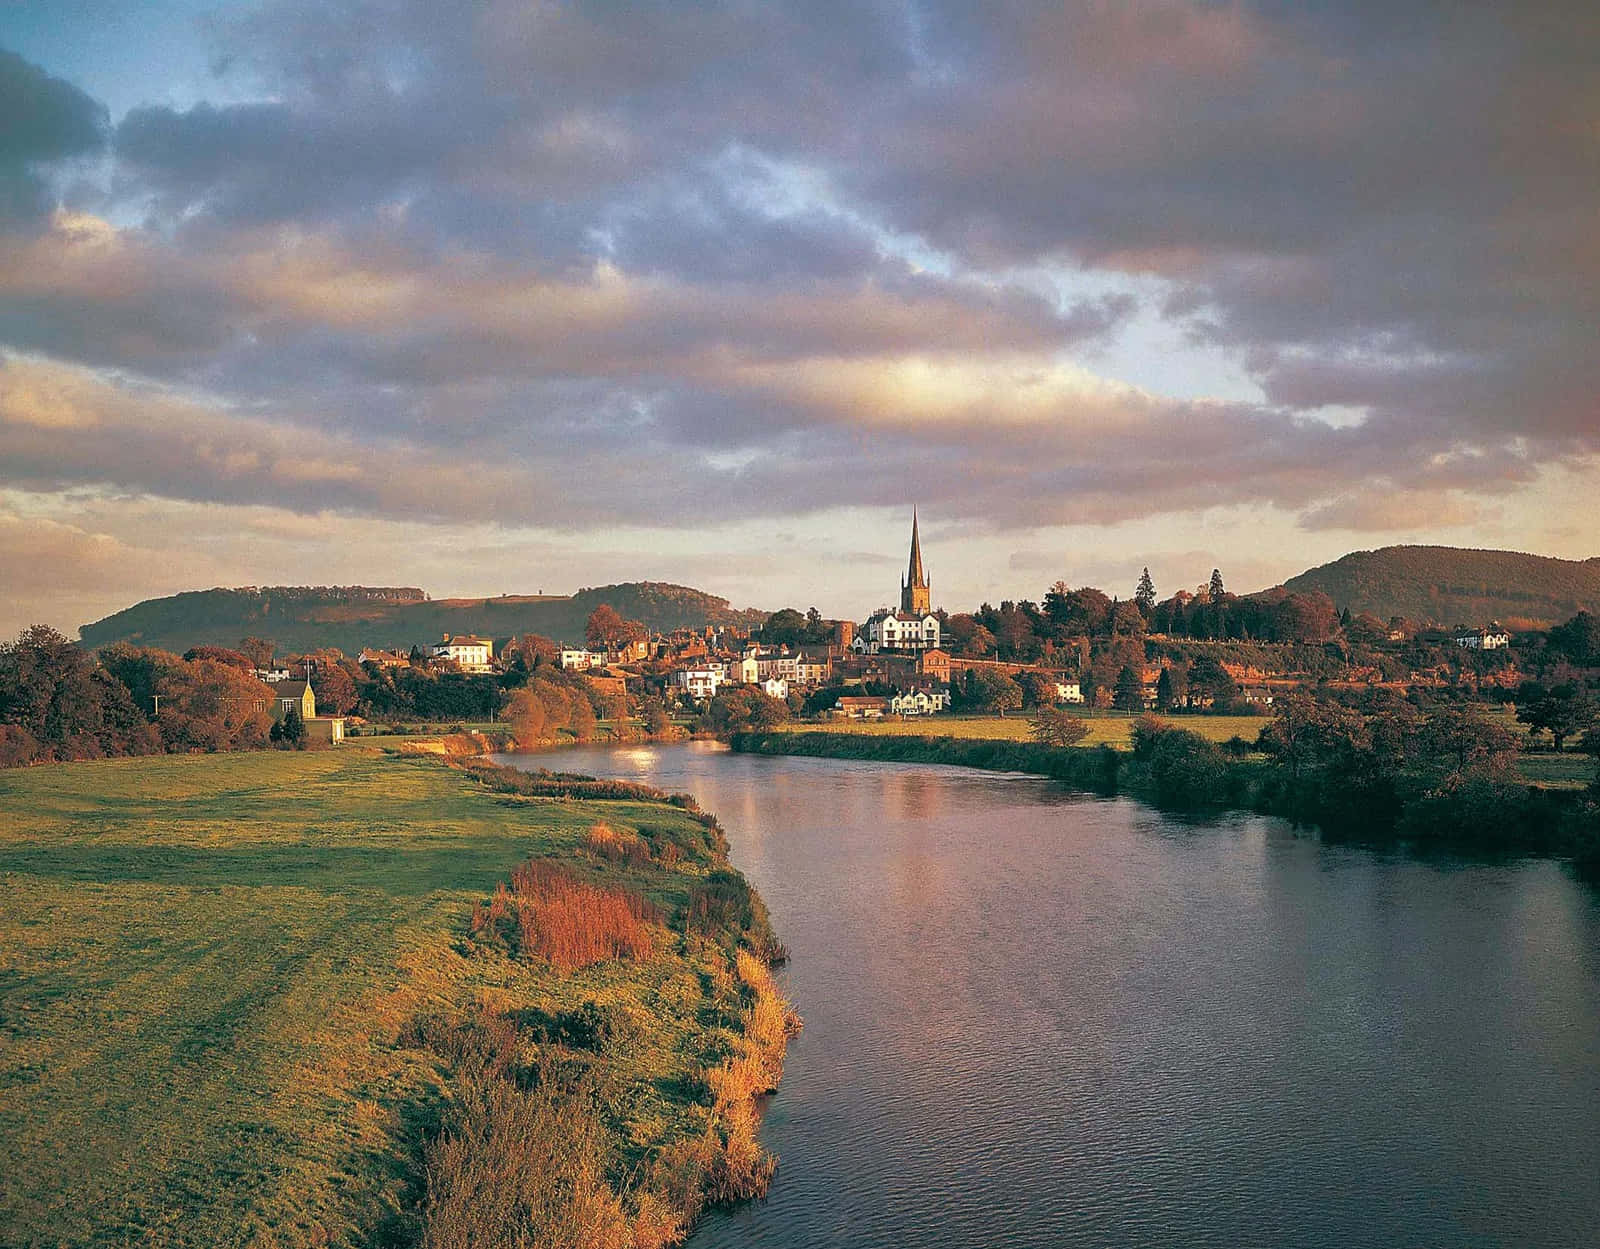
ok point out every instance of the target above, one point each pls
(914, 628)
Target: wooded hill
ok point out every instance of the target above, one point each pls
(302, 618)
(1447, 586)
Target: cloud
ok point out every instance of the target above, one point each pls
(579, 265)
(47, 120)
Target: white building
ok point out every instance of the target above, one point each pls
(701, 683)
(1068, 692)
(775, 687)
(919, 702)
(582, 661)
(901, 631)
(272, 675)
(1491, 639)
(471, 652)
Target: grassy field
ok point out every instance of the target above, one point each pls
(206, 962)
(1564, 771)
(1104, 728)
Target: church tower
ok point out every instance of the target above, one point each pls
(915, 596)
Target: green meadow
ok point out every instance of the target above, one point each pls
(208, 965)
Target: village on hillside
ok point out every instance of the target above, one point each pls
(1195, 652)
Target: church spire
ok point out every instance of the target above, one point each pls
(915, 596)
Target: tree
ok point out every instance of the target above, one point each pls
(1578, 639)
(606, 629)
(654, 713)
(1215, 591)
(292, 728)
(744, 707)
(1468, 741)
(1055, 726)
(1129, 693)
(1145, 594)
(1038, 689)
(1208, 679)
(221, 655)
(1127, 620)
(1565, 710)
(1164, 691)
(990, 692)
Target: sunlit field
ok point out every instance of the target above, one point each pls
(206, 966)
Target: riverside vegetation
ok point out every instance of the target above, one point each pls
(1449, 778)
(358, 997)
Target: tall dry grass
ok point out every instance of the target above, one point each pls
(549, 912)
(617, 845)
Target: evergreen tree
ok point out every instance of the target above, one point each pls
(1145, 595)
(294, 728)
(1164, 690)
(1129, 693)
(1216, 585)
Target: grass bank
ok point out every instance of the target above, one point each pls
(244, 1001)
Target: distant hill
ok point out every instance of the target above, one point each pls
(1447, 585)
(302, 618)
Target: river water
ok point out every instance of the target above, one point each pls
(1039, 1018)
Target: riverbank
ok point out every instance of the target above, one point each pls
(266, 998)
(1493, 817)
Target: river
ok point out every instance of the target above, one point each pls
(1040, 1018)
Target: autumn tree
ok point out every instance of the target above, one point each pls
(606, 629)
(1055, 726)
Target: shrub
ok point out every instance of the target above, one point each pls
(1145, 732)
(1188, 771)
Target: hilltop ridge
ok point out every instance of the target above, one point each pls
(1446, 585)
(299, 618)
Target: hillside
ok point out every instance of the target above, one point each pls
(300, 618)
(1448, 586)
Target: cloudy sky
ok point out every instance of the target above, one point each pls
(521, 296)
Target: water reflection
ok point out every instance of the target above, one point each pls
(1035, 1018)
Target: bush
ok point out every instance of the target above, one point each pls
(1187, 771)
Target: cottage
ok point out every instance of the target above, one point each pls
(860, 707)
(297, 694)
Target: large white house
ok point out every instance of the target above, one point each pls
(471, 652)
(582, 661)
(898, 631)
(701, 683)
(1491, 639)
